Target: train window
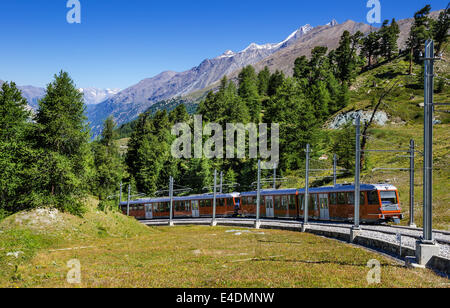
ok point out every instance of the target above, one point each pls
(221, 202)
(372, 197)
(230, 202)
(292, 202)
(312, 202)
(284, 202)
(301, 201)
(249, 201)
(341, 199)
(351, 198)
(277, 202)
(333, 198)
(244, 200)
(388, 197)
(362, 198)
(187, 206)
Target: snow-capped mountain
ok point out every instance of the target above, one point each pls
(129, 103)
(94, 96)
(271, 47)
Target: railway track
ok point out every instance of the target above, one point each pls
(381, 232)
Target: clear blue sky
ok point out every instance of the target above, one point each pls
(121, 42)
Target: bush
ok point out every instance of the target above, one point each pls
(3, 214)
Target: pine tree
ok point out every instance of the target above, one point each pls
(149, 151)
(275, 81)
(179, 115)
(13, 113)
(236, 110)
(199, 175)
(248, 92)
(347, 59)
(62, 136)
(421, 31)
(344, 146)
(108, 165)
(108, 132)
(371, 47)
(441, 28)
(389, 38)
(301, 68)
(263, 81)
(295, 114)
(15, 151)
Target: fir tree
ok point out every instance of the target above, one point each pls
(371, 47)
(263, 81)
(62, 136)
(441, 27)
(275, 81)
(13, 113)
(108, 165)
(248, 92)
(421, 31)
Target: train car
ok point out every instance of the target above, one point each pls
(274, 203)
(227, 205)
(378, 203)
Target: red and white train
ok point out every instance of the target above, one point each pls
(379, 203)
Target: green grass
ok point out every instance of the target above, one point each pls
(211, 257)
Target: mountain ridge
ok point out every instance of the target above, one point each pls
(129, 103)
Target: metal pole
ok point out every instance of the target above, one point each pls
(120, 194)
(221, 182)
(411, 184)
(258, 197)
(274, 176)
(128, 202)
(334, 170)
(305, 212)
(357, 172)
(171, 200)
(213, 222)
(428, 145)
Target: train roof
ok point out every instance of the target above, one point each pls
(337, 188)
(271, 192)
(186, 198)
(349, 187)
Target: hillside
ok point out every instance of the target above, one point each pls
(26, 234)
(405, 112)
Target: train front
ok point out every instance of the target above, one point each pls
(390, 208)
